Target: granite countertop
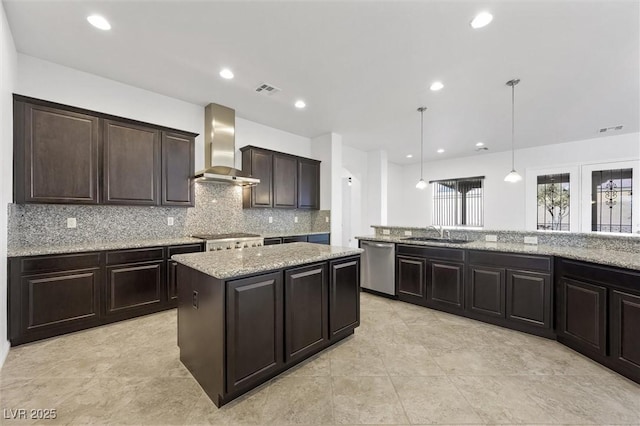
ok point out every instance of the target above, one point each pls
(622, 259)
(292, 234)
(99, 246)
(235, 263)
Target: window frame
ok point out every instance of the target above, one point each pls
(531, 194)
(432, 193)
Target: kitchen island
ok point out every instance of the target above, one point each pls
(245, 316)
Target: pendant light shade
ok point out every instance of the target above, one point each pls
(421, 183)
(513, 175)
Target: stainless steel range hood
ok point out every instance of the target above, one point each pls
(219, 148)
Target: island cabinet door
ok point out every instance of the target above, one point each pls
(344, 296)
(306, 310)
(625, 323)
(254, 330)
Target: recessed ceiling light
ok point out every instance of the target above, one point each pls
(440, 151)
(99, 22)
(300, 104)
(226, 73)
(409, 155)
(436, 85)
(480, 144)
(482, 19)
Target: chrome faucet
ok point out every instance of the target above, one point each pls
(448, 233)
(440, 229)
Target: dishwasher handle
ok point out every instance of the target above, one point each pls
(379, 245)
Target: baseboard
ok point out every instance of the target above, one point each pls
(4, 351)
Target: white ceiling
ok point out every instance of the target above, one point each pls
(364, 67)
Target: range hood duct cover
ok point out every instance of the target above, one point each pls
(219, 148)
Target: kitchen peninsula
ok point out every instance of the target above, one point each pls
(245, 316)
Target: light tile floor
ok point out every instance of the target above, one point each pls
(404, 365)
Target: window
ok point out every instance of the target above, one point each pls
(554, 207)
(611, 196)
(458, 202)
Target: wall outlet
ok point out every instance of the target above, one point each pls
(270, 219)
(531, 240)
(170, 221)
(295, 219)
(71, 222)
(386, 232)
(407, 233)
(491, 238)
(326, 219)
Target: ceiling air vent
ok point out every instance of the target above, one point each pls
(609, 129)
(267, 89)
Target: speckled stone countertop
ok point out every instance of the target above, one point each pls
(99, 246)
(292, 234)
(622, 259)
(235, 263)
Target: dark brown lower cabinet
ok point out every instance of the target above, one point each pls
(529, 298)
(625, 331)
(294, 239)
(132, 287)
(172, 279)
(254, 330)
(411, 281)
(445, 285)
(272, 241)
(319, 238)
(583, 315)
(51, 295)
(485, 291)
(344, 296)
(307, 310)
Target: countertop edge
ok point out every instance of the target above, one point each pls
(103, 246)
(599, 256)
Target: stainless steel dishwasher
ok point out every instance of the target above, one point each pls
(378, 267)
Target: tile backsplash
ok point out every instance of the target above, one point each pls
(218, 209)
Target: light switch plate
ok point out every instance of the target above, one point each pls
(407, 233)
(295, 219)
(386, 232)
(170, 221)
(270, 219)
(491, 238)
(71, 222)
(531, 240)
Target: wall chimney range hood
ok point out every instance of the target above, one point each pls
(219, 148)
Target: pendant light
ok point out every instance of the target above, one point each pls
(513, 176)
(421, 183)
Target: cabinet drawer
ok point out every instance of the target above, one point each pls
(190, 248)
(318, 238)
(135, 255)
(295, 239)
(456, 255)
(514, 261)
(63, 262)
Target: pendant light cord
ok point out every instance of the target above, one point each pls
(513, 120)
(421, 143)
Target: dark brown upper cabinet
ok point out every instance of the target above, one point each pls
(131, 160)
(178, 153)
(68, 155)
(56, 155)
(286, 181)
(285, 184)
(308, 184)
(259, 163)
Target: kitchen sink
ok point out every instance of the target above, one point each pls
(436, 240)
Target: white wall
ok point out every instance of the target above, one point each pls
(8, 68)
(251, 133)
(504, 202)
(328, 149)
(52, 82)
(354, 165)
(394, 198)
(377, 184)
